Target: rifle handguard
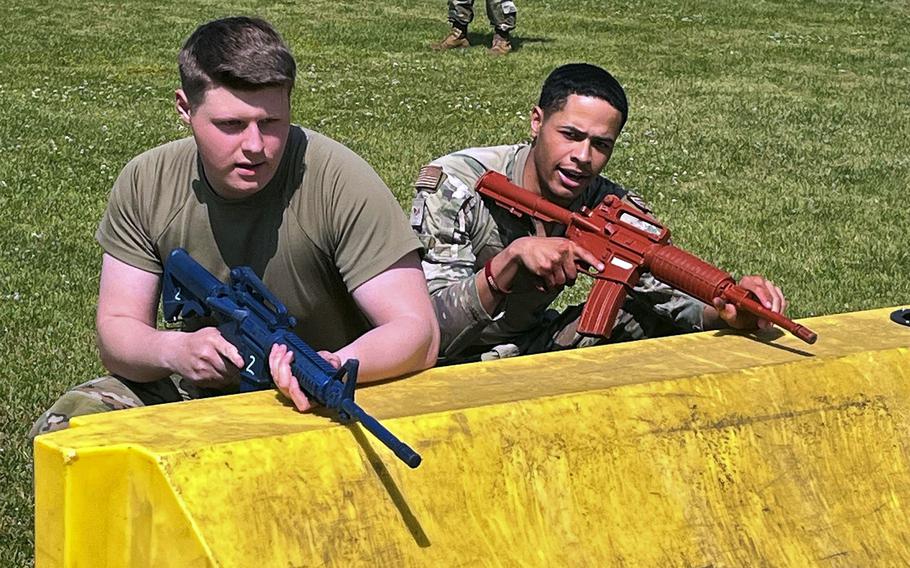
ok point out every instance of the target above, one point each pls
(684, 271)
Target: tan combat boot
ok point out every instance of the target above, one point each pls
(456, 39)
(501, 45)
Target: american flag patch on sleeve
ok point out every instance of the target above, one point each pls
(428, 179)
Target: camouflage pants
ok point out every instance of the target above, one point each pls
(558, 332)
(105, 394)
(502, 13)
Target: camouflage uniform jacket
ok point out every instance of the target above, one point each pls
(460, 230)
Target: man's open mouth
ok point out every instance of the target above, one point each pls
(573, 176)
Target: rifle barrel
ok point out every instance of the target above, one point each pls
(785, 323)
(399, 448)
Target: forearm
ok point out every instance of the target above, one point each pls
(401, 346)
(504, 268)
(134, 350)
(461, 314)
(467, 307)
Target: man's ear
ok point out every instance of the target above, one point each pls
(183, 105)
(536, 121)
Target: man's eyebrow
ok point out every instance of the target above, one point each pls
(599, 139)
(603, 139)
(574, 129)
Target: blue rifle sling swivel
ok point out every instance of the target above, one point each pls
(252, 319)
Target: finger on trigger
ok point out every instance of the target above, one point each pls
(589, 258)
(233, 355)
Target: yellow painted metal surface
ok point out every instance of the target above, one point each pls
(708, 449)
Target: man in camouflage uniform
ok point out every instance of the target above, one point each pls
(502, 15)
(492, 276)
(109, 393)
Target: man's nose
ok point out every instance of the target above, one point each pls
(581, 152)
(252, 139)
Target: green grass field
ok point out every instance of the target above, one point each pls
(771, 136)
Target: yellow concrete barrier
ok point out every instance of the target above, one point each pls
(707, 449)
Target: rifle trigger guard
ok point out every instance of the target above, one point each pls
(901, 317)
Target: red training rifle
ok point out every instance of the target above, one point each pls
(628, 242)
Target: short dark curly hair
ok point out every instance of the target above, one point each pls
(582, 79)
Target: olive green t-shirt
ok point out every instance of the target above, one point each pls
(324, 225)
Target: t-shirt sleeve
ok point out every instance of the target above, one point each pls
(369, 229)
(124, 230)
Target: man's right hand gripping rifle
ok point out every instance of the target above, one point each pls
(620, 243)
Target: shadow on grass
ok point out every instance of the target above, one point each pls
(486, 40)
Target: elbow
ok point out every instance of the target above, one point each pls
(110, 361)
(427, 350)
(104, 353)
(105, 341)
(432, 350)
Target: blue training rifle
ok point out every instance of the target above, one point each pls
(250, 317)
